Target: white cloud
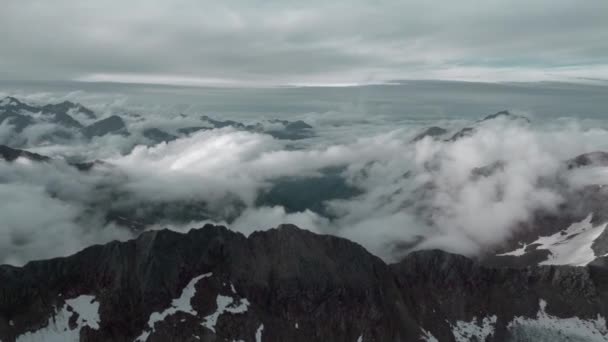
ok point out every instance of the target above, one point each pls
(410, 193)
(231, 43)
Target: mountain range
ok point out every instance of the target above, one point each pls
(548, 281)
(287, 284)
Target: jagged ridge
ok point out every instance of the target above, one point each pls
(284, 284)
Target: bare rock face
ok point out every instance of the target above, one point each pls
(432, 132)
(110, 125)
(20, 113)
(11, 154)
(67, 106)
(287, 284)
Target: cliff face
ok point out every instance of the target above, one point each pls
(288, 284)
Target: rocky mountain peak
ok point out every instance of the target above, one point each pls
(113, 124)
(288, 284)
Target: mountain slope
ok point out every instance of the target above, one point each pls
(288, 284)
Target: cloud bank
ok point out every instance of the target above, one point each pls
(382, 190)
(191, 42)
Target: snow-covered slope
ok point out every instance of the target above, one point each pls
(572, 246)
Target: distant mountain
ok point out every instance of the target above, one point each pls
(73, 122)
(18, 121)
(435, 131)
(157, 135)
(279, 129)
(11, 154)
(22, 115)
(430, 132)
(13, 104)
(66, 107)
(505, 114)
(288, 284)
(110, 125)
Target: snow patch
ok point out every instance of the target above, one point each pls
(568, 247)
(180, 304)
(258, 333)
(467, 331)
(518, 252)
(225, 304)
(58, 327)
(551, 328)
(428, 337)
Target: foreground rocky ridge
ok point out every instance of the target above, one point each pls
(287, 284)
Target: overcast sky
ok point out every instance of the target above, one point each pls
(272, 42)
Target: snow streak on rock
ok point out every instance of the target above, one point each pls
(85, 307)
(180, 304)
(225, 304)
(428, 337)
(550, 328)
(258, 333)
(569, 247)
(469, 331)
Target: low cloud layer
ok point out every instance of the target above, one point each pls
(382, 190)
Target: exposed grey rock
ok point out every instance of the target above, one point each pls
(13, 104)
(430, 132)
(190, 130)
(11, 154)
(597, 158)
(222, 124)
(505, 114)
(111, 125)
(67, 106)
(488, 170)
(297, 125)
(465, 132)
(63, 119)
(292, 130)
(18, 121)
(20, 113)
(469, 131)
(157, 135)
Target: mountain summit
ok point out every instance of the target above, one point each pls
(288, 284)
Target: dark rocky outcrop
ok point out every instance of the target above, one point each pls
(430, 132)
(222, 124)
(291, 130)
(18, 121)
(288, 130)
(469, 131)
(63, 119)
(190, 130)
(111, 125)
(505, 114)
(158, 135)
(68, 106)
(20, 113)
(465, 132)
(284, 284)
(13, 104)
(297, 125)
(596, 158)
(11, 154)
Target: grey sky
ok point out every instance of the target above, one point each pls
(273, 42)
